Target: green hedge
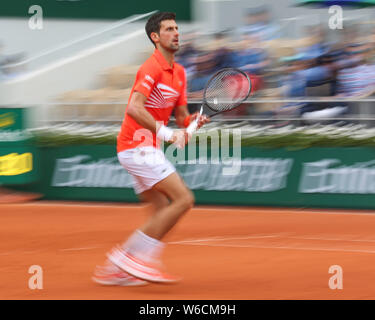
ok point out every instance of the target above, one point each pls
(251, 136)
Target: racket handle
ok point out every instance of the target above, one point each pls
(192, 127)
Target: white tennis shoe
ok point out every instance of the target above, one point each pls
(139, 269)
(111, 275)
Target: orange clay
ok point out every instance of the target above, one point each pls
(221, 253)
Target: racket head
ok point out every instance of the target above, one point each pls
(226, 89)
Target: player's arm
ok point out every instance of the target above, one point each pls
(136, 110)
(184, 118)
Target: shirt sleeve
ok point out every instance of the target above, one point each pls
(182, 100)
(146, 80)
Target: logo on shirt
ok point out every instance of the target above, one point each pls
(146, 85)
(167, 91)
(162, 96)
(148, 78)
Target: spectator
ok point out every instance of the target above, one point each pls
(317, 44)
(223, 55)
(205, 67)
(329, 61)
(357, 80)
(258, 23)
(250, 57)
(293, 84)
(186, 54)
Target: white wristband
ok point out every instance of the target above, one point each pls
(164, 133)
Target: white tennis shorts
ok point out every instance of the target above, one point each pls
(147, 165)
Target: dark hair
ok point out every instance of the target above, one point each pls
(154, 22)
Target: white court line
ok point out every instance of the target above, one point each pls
(19, 252)
(354, 213)
(206, 242)
(79, 249)
(281, 247)
(42, 251)
(331, 239)
(275, 235)
(216, 208)
(224, 239)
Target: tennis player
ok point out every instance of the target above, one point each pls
(159, 89)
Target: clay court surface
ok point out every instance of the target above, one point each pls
(221, 253)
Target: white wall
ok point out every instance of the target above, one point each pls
(18, 37)
(76, 67)
(80, 70)
(79, 67)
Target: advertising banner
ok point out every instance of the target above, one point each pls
(314, 177)
(18, 157)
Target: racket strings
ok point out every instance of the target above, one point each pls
(227, 90)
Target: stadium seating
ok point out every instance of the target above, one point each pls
(106, 103)
(120, 77)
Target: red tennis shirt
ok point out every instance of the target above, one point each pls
(165, 88)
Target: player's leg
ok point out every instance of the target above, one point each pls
(181, 200)
(109, 273)
(156, 181)
(140, 255)
(144, 244)
(155, 198)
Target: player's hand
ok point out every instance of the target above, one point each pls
(180, 138)
(203, 119)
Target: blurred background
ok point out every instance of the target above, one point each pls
(75, 61)
(307, 140)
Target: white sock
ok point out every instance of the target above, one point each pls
(144, 247)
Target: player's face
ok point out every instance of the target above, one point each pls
(169, 35)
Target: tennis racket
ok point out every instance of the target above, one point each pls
(225, 90)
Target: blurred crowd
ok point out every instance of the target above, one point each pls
(312, 67)
(303, 76)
